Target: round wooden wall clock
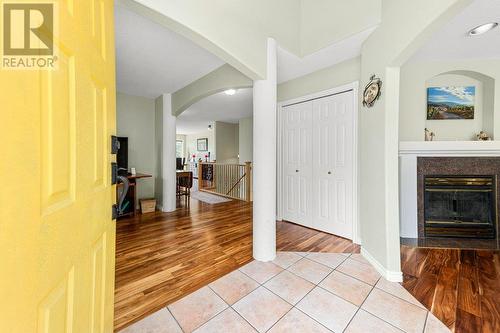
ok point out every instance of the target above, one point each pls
(372, 91)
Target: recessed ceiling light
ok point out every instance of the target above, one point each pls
(230, 92)
(483, 28)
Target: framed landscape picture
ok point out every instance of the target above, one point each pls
(450, 103)
(202, 144)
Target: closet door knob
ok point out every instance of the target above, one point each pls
(329, 172)
(296, 170)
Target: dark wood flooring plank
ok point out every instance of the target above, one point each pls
(489, 288)
(469, 299)
(467, 322)
(444, 304)
(461, 287)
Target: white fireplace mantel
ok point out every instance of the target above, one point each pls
(449, 148)
(409, 151)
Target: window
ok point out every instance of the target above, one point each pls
(179, 148)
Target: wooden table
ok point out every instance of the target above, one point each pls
(132, 191)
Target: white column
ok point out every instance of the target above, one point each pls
(264, 160)
(168, 156)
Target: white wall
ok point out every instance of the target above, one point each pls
(135, 118)
(334, 76)
(226, 142)
(246, 140)
(405, 26)
(323, 22)
(191, 145)
(416, 76)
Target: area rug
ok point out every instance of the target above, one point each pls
(208, 198)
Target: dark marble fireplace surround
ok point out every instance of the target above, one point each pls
(454, 166)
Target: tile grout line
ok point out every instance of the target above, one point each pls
(209, 320)
(175, 319)
(282, 269)
(292, 306)
(315, 285)
(345, 258)
(239, 314)
(357, 278)
(354, 278)
(218, 313)
(316, 262)
(321, 287)
(262, 285)
(425, 323)
(359, 308)
(420, 307)
(277, 321)
(378, 316)
(313, 319)
(295, 306)
(331, 292)
(229, 306)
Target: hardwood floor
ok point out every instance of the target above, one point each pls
(293, 237)
(460, 287)
(161, 257)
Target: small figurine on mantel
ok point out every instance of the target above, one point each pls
(429, 136)
(482, 136)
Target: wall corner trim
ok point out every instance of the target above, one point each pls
(392, 276)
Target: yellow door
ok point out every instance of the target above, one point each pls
(57, 237)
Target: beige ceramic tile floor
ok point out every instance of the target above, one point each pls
(297, 292)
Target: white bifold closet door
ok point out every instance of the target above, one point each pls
(318, 149)
(298, 163)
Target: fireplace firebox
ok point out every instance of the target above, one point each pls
(460, 206)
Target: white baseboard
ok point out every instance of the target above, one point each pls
(393, 276)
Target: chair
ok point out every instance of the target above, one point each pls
(184, 184)
(180, 162)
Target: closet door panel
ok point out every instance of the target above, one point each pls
(297, 158)
(333, 164)
(323, 151)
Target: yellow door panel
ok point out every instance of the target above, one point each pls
(58, 134)
(98, 285)
(56, 311)
(56, 233)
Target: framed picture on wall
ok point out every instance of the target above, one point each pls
(202, 144)
(445, 103)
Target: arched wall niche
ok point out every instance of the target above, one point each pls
(417, 77)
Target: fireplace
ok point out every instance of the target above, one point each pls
(457, 198)
(460, 206)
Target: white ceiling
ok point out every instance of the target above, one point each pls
(151, 60)
(217, 107)
(291, 66)
(452, 41)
